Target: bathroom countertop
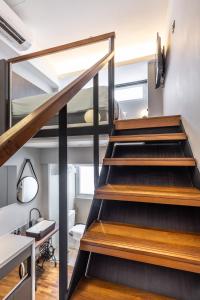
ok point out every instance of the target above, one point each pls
(12, 245)
(46, 237)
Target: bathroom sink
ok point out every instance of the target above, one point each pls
(41, 229)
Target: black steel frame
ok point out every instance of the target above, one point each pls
(76, 131)
(63, 211)
(121, 85)
(96, 123)
(4, 96)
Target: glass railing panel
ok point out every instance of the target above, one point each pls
(35, 81)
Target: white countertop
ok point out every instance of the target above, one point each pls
(12, 245)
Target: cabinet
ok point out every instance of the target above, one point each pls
(17, 251)
(23, 292)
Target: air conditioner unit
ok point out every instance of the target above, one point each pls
(12, 30)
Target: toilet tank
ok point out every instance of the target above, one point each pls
(71, 218)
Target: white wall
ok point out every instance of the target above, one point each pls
(155, 96)
(131, 72)
(82, 207)
(76, 155)
(53, 190)
(16, 215)
(45, 171)
(182, 87)
(123, 73)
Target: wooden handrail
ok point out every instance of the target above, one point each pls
(80, 43)
(14, 138)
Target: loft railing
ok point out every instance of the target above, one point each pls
(73, 45)
(15, 137)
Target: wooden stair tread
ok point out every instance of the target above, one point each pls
(153, 161)
(150, 194)
(149, 245)
(164, 121)
(181, 136)
(95, 289)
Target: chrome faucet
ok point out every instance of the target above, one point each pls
(30, 213)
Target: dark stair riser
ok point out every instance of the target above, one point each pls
(148, 150)
(166, 176)
(168, 217)
(178, 284)
(175, 129)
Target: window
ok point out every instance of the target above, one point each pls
(130, 91)
(86, 180)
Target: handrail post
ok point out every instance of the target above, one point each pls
(10, 87)
(96, 124)
(63, 212)
(111, 84)
(4, 95)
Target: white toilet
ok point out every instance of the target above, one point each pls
(75, 231)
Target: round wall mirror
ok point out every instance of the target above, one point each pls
(27, 189)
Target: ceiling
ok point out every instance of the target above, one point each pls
(56, 22)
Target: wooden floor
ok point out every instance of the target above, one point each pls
(47, 284)
(8, 283)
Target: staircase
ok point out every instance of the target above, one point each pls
(142, 239)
